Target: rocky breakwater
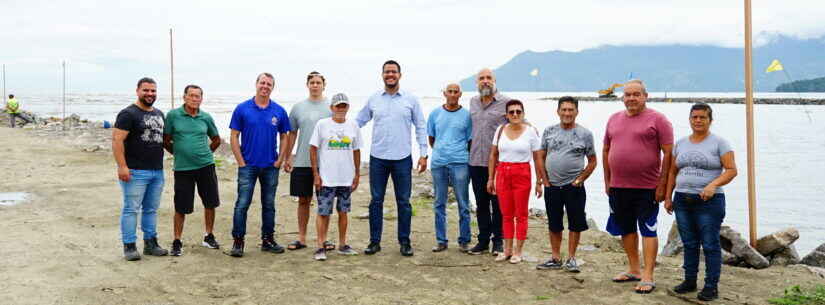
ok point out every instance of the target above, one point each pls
(775, 249)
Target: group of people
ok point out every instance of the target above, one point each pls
(490, 146)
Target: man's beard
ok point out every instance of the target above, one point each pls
(145, 101)
(486, 90)
(390, 86)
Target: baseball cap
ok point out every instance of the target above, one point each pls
(339, 98)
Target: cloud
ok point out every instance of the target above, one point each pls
(219, 44)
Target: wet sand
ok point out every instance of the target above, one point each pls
(63, 247)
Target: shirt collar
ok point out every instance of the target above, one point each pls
(183, 110)
(398, 93)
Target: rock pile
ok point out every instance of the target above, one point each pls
(775, 249)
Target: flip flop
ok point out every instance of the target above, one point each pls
(628, 277)
(296, 245)
(329, 246)
(642, 284)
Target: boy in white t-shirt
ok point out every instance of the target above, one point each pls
(336, 157)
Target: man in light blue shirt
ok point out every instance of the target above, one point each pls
(394, 113)
(450, 129)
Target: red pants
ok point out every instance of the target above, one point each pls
(513, 188)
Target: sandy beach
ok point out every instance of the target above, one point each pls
(62, 247)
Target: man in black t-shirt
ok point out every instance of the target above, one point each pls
(137, 144)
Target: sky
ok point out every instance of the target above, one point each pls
(223, 45)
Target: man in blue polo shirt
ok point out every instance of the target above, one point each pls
(258, 122)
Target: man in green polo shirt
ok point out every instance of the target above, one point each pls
(13, 109)
(187, 135)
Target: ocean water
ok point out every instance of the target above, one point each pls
(790, 140)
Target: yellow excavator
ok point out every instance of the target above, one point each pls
(608, 93)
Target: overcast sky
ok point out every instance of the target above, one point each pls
(222, 45)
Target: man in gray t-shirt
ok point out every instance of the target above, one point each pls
(699, 163)
(303, 117)
(564, 148)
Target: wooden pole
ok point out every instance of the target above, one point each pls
(749, 124)
(172, 69)
(64, 95)
(4, 85)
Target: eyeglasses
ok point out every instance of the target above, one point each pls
(514, 112)
(453, 91)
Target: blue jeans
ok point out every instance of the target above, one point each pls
(401, 172)
(699, 223)
(457, 175)
(268, 176)
(142, 192)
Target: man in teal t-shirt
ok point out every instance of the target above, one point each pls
(450, 129)
(187, 135)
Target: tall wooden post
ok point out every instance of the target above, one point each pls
(172, 69)
(749, 124)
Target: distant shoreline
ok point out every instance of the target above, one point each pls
(709, 100)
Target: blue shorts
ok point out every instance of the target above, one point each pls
(632, 208)
(327, 196)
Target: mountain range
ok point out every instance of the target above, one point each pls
(681, 68)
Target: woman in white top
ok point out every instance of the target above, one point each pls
(509, 166)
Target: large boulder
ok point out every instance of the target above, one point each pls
(776, 241)
(816, 258)
(729, 259)
(733, 242)
(786, 256)
(674, 245)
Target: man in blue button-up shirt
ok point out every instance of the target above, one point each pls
(394, 113)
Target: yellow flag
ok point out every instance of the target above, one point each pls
(535, 72)
(775, 66)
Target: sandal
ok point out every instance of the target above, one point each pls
(515, 259)
(627, 277)
(643, 284)
(329, 246)
(502, 257)
(296, 245)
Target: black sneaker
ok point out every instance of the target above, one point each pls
(130, 252)
(372, 248)
(478, 249)
(498, 247)
(210, 242)
(268, 244)
(464, 247)
(151, 247)
(406, 250)
(552, 264)
(176, 248)
(708, 294)
(685, 287)
(237, 247)
(440, 247)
